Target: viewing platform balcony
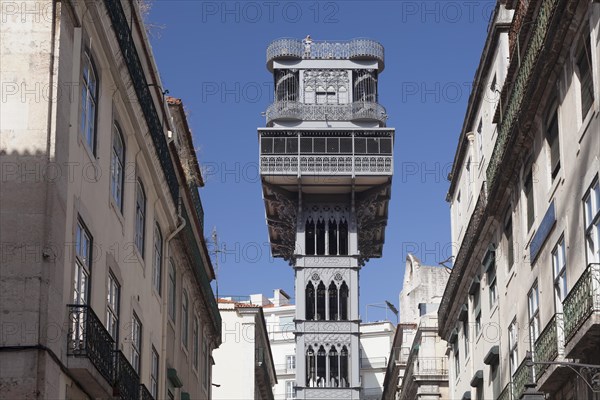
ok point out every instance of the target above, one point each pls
(296, 111)
(354, 49)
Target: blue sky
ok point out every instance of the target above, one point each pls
(212, 55)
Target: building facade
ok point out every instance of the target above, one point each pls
(244, 366)
(280, 312)
(525, 209)
(105, 284)
(326, 165)
(418, 367)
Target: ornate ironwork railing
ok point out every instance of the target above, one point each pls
(326, 112)
(145, 393)
(549, 344)
(582, 300)
(200, 271)
(127, 381)
(506, 393)
(198, 206)
(142, 91)
(323, 50)
(430, 366)
(520, 378)
(513, 107)
(88, 338)
(326, 164)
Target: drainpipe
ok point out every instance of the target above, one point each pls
(165, 293)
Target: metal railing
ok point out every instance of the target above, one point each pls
(506, 393)
(326, 164)
(582, 300)
(550, 343)
(127, 381)
(517, 95)
(198, 206)
(145, 393)
(520, 378)
(89, 338)
(200, 271)
(142, 91)
(326, 112)
(430, 366)
(325, 50)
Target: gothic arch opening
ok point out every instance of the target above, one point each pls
(310, 368)
(310, 302)
(321, 237)
(321, 367)
(310, 237)
(343, 232)
(333, 302)
(344, 368)
(320, 302)
(343, 302)
(334, 368)
(333, 236)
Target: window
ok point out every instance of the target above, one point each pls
(553, 144)
(489, 264)
(559, 266)
(458, 210)
(184, 319)
(290, 363)
(195, 344)
(89, 101)
(140, 217)
(117, 166)
(154, 374)
(172, 292)
(456, 360)
(508, 235)
(83, 263)
(466, 336)
(480, 140)
(533, 299)
(112, 306)
(512, 346)
(584, 68)
(592, 223)
(206, 360)
(528, 192)
(468, 173)
(289, 390)
(136, 343)
(157, 259)
(477, 311)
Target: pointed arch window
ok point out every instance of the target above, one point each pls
(334, 368)
(332, 237)
(310, 302)
(310, 237)
(344, 368)
(140, 217)
(333, 302)
(321, 237)
(343, 233)
(343, 311)
(321, 367)
(311, 376)
(320, 314)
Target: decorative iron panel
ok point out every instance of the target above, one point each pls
(582, 300)
(127, 381)
(326, 112)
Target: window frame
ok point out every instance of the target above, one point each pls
(89, 136)
(591, 221)
(528, 193)
(584, 52)
(513, 346)
(113, 296)
(157, 258)
(136, 343)
(117, 176)
(533, 309)
(83, 263)
(172, 292)
(154, 373)
(141, 201)
(195, 343)
(559, 273)
(185, 322)
(553, 120)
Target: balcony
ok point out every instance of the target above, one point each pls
(326, 165)
(506, 393)
(355, 49)
(90, 349)
(296, 111)
(549, 345)
(127, 381)
(520, 378)
(581, 309)
(145, 393)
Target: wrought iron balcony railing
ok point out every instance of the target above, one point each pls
(145, 393)
(506, 393)
(127, 381)
(198, 206)
(582, 300)
(520, 378)
(326, 112)
(89, 338)
(550, 344)
(323, 50)
(519, 90)
(326, 164)
(199, 269)
(142, 91)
